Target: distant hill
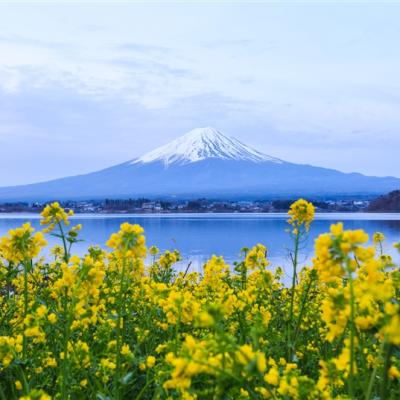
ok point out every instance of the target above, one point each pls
(204, 163)
(387, 203)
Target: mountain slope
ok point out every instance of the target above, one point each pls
(203, 162)
(387, 203)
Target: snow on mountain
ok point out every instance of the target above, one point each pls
(200, 144)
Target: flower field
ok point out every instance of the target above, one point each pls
(123, 324)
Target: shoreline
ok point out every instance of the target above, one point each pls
(215, 215)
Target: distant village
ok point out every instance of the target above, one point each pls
(125, 206)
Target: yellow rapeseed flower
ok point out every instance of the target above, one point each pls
(301, 214)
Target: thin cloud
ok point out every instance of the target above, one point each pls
(29, 41)
(144, 48)
(151, 67)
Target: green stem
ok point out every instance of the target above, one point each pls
(302, 308)
(352, 334)
(385, 380)
(65, 366)
(24, 380)
(374, 371)
(2, 395)
(24, 340)
(294, 279)
(117, 377)
(141, 393)
(66, 254)
(178, 328)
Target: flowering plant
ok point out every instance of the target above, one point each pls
(116, 324)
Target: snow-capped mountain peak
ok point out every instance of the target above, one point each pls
(200, 144)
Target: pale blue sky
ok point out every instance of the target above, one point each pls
(83, 87)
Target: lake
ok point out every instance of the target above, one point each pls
(198, 236)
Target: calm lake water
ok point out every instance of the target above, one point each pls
(198, 236)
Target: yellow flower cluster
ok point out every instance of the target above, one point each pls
(301, 214)
(53, 214)
(21, 244)
(119, 324)
(128, 242)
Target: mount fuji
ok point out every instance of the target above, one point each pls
(201, 144)
(204, 163)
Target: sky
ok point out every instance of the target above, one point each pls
(86, 85)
